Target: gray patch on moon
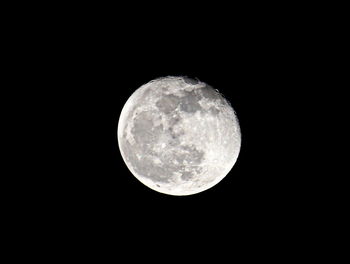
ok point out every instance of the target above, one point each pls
(187, 155)
(168, 103)
(144, 131)
(187, 175)
(189, 103)
(193, 154)
(174, 120)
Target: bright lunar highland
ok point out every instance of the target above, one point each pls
(178, 136)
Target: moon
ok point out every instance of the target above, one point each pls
(178, 136)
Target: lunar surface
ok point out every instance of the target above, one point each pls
(178, 136)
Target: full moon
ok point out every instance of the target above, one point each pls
(178, 136)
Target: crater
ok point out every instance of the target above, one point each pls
(190, 80)
(209, 93)
(214, 111)
(173, 121)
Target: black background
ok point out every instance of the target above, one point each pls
(83, 68)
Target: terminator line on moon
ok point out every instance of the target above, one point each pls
(178, 136)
